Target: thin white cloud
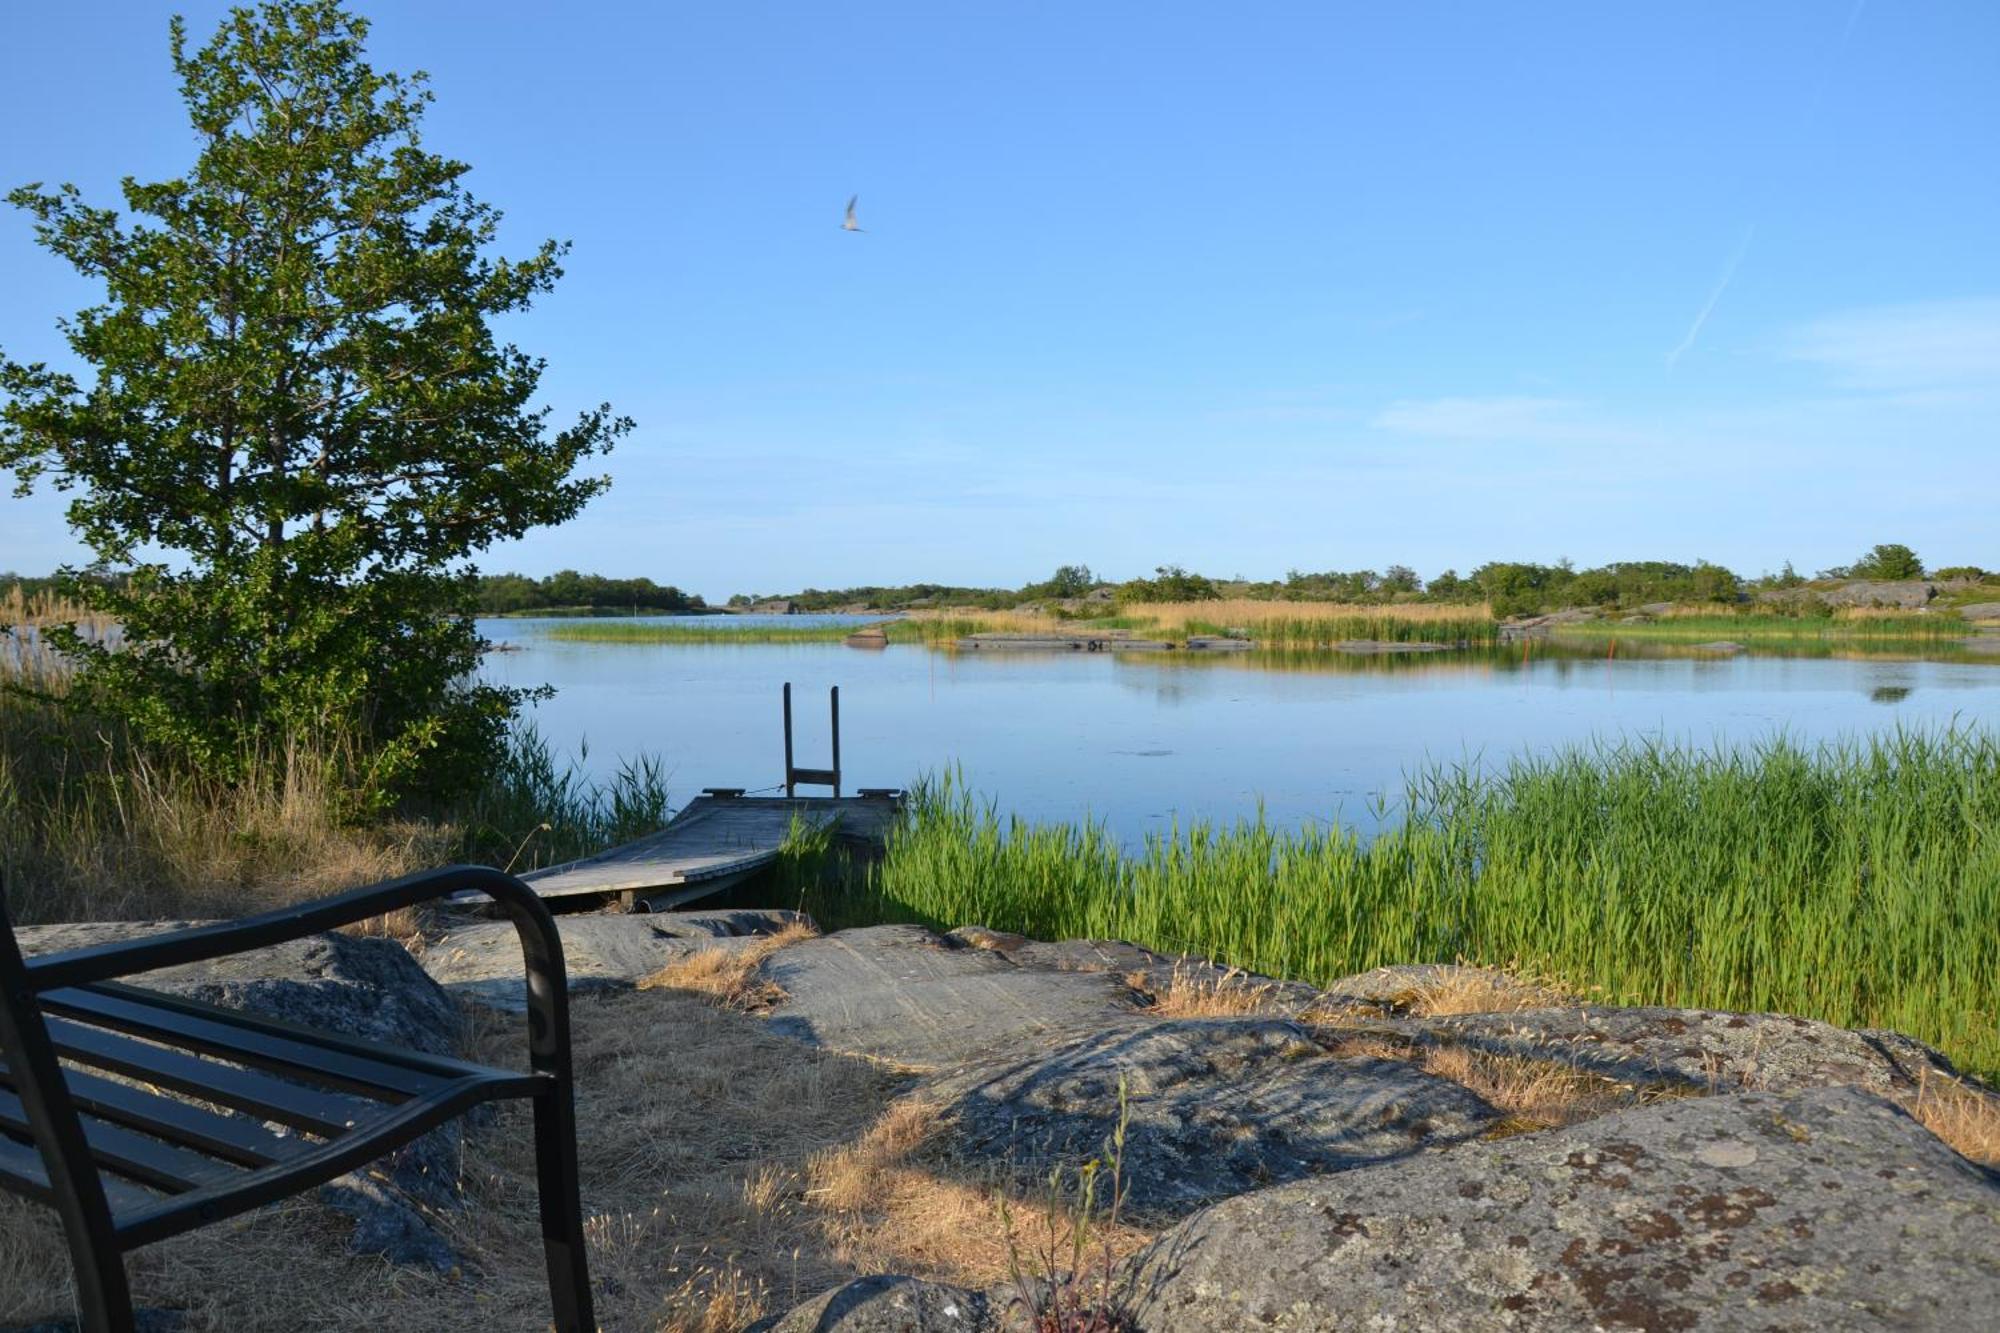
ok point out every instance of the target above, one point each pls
(1926, 345)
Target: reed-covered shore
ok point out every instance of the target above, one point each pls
(1857, 883)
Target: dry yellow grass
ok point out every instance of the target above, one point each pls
(1250, 613)
(19, 607)
(1001, 622)
(1478, 990)
(1535, 1094)
(1963, 1115)
(143, 843)
(729, 976)
(1188, 995)
(1174, 618)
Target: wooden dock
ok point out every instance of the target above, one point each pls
(720, 839)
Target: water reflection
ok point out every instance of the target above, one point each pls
(1139, 739)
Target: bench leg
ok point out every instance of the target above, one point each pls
(103, 1298)
(562, 1211)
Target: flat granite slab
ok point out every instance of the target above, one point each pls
(905, 994)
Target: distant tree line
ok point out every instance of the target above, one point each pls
(505, 594)
(908, 597)
(1510, 587)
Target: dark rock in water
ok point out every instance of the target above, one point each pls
(1216, 1106)
(480, 961)
(1830, 1211)
(366, 988)
(906, 994)
(1720, 646)
(888, 1305)
(1699, 1048)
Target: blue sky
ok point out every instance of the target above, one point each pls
(1242, 287)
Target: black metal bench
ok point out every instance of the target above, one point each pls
(217, 1111)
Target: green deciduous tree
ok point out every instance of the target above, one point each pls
(1891, 560)
(298, 426)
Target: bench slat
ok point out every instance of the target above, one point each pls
(235, 1138)
(244, 1043)
(328, 1114)
(148, 1160)
(21, 1172)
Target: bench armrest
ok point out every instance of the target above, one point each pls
(541, 945)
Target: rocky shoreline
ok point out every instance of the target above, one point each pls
(1416, 1148)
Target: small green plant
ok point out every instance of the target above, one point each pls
(1066, 1282)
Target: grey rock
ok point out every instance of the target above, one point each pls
(1827, 1211)
(1981, 611)
(1983, 643)
(480, 961)
(889, 1305)
(980, 937)
(1902, 595)
(368, 988)
(1155, 972)
(1654, 608)
(906, 994)
(1699, 1048)
(361, 987)
(727, 922)
(386, 1225)
(1215, 1107)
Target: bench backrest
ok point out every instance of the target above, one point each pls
(35, 1076)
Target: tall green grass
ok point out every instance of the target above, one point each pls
(1309, 632)
(1856, 883)
(1753, 629)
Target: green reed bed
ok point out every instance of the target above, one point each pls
(1327, 631)
(1923, 630)
(1855, 883)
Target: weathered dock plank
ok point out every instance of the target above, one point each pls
(715, 842)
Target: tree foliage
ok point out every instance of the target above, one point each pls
(1170, 583)
(500, 594)
(300, 426)
(1891, 560)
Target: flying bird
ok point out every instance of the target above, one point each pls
(848, 223)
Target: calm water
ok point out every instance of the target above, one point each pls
(1139, 740)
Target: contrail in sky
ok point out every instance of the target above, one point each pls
(1728, 272)
(1750, 232)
